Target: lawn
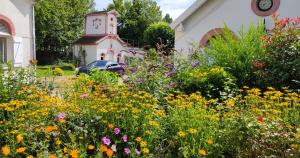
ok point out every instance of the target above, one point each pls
(47, 71)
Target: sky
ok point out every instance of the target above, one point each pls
(173, 7)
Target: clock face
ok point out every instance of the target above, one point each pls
(264, 5)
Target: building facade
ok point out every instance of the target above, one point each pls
(101, 40)
(17, 34)
(206, 18)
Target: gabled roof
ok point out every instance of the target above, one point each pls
(194, 7)
(88, 40)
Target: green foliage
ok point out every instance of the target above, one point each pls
(213, 82)
(58, 71)
(59, 22)
(237, 53)
(135, 17)
(282, 48)
(168, 19)
(104, 77)
(160, 34)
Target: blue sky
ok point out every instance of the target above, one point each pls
(173, 7)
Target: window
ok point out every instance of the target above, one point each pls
(119, 58)
(3, 51)
(102, 56)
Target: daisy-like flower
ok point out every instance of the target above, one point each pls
(202, 152)
(180, 134)
(74, 154)
(5, 150)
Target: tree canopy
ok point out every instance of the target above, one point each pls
(135, 17)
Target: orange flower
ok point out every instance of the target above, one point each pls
(109, 153)
(202, 152)
(5, 150)
(19, 138)
(91, 147)
(103, 148)
(110, 126)
(49, 129)
(210, 142)
(52, 156)
(74, 154)
(20, 150)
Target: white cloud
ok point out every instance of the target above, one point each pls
(173, 7)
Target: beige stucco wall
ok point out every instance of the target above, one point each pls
(215, 13)
(20, 13)
(116, 48)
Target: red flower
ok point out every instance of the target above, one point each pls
(296, 21)
(282, 23)
(258, 65)
(260, 119)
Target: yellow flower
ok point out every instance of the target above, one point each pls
(145, 150)
(180, 134)
(138, 139)
(74, 154)
(91, 147)
(209, 141)
(65, 149)
(143, 144)
(19, 138)
(192, 130)
(20, 150)
(202, 152)
(30, 156)
(5, 150)
(58, 142)
(110, 126)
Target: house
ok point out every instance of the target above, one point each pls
(101, 40)
(17, 35)
(206, 18)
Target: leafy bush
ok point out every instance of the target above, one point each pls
(67, 66)
(104, 77)
(237, 53)
(160, 34)
(282, 48)
(58, 71)
(212, 82)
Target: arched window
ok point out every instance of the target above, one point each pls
(102, 56)
(119, 57)
(210, 34)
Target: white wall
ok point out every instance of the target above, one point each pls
(20, 13)
(235, 13)
(95, 24)
(116, 47)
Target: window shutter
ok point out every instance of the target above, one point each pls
(18, 51)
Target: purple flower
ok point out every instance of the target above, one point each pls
(116, 131)
(124, 138)
(169, 74)
(137, 152)
(138, 81)
(84, 96)
(106, 141)
(170, 66)
(114, 148)
(173, 84)
(59, 116)
(127, 151)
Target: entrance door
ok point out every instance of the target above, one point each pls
(110, 55)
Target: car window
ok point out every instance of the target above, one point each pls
(100, 64)
(91, 64)
(114, 65)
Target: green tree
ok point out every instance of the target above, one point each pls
(135, 17)
(160, 35)
(59, 22)
(168, 19)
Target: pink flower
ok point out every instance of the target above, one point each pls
(296, 21)
(116, 131)
(59, 117)
(282, 23)
(84, 96)
(124, 138)
(127, 151)
(137, 152)
(114, 148)
(106, 141)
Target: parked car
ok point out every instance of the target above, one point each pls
(102, 65)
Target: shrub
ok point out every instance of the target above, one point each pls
(282, 48)
(67, 66)
(104, 77)
(237, 53)
(212, 82)
(58, 71)
(160, 34)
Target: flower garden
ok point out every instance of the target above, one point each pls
(195, 108)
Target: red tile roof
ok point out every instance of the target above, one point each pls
(88, 40)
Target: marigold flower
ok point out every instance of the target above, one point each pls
(109, 153)
(110, 126)
(209, 141)
(180, 134)
(5, 150)
(202, 152)
(74, 154)
(103, 148)
(20, 150)
(19, 138)
(52, 156)
(91, 147)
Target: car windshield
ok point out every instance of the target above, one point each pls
(100, 63)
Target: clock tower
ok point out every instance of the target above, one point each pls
(101, 23)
